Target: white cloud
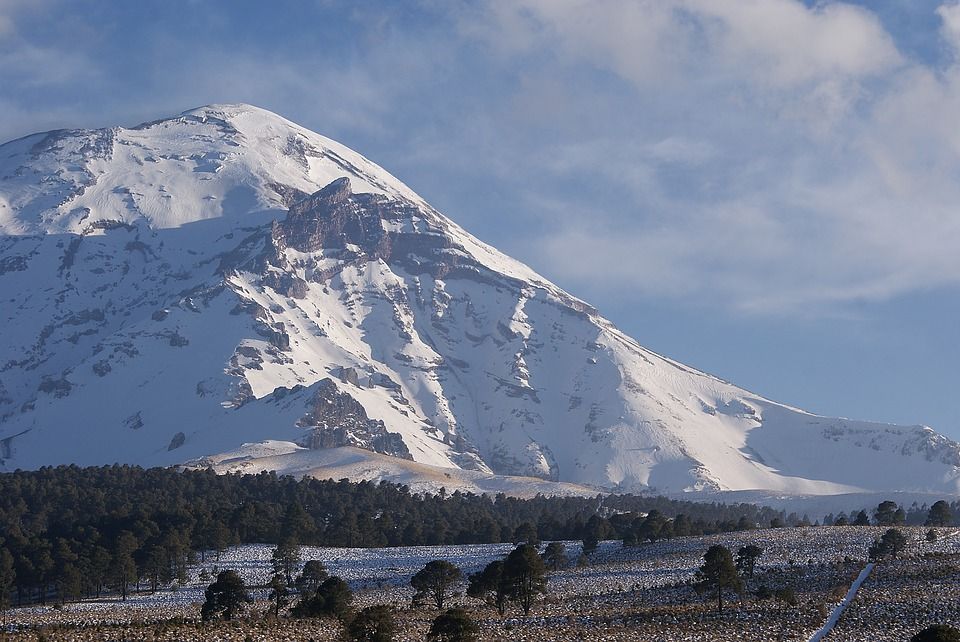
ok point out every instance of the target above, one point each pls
(950, 29)
(818, 166)
(10, 10)
(30, 66)
(786, 43)
(780, 42)
(761, 155)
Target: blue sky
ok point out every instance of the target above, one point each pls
(765, 189)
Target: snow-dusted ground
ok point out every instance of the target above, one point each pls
(901, 597)
(615, 574)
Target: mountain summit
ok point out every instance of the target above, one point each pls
(225, 277)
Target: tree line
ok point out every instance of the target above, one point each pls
(68, 532)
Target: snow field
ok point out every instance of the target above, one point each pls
(622, 590)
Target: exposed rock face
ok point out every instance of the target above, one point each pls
(337, 419)
(362, 227)
(333, 218)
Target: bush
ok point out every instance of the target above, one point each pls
(786, 595)
(372, 624)
(332, 599)
(453, 626)
(937, 633)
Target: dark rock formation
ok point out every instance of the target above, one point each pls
(350, 375)
(337, 419)
(134, 421)
(286, 284)
(352, 227)
(178, 440)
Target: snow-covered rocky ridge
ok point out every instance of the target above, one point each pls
(225, 277)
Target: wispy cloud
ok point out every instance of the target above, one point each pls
(762, 156)
(950, 15)
(827, 166)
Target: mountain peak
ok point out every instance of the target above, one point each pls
(337, 191)
(228, 111)
(210, 162)
(221, 277)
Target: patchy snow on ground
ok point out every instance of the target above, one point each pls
(615, 575)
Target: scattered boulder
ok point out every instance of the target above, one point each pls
(177, 441)
(349, 375)
(134, 421)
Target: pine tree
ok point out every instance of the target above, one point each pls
(555, 556)
(372, 624)
(8, 577)
(297, 525)
(434, 581)
(225, 598)
(312, 576)
(490, 586)
(279, 594)
(747, 558)
(885, 513)
(890, 544)
(525, 576)
(595, 530)
(285, 559)
(650, 528)
(719, 572)
(333, 598)
(123, 568)
(940, 514)
(526, 533)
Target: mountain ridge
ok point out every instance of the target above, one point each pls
(226, 277)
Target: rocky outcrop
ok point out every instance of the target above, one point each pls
(336, 419)
(334, 218)
(178, 440)
(355, 228)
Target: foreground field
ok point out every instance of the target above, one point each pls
(636, 593)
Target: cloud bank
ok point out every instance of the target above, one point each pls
(762, 156)
(769, 156)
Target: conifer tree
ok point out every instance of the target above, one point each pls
(372, 624)
(285, 559)
(940, 514)
(525, 576)
(279, 594)
(718, 572)
(225, 598)
(555, 556)
(490, 585)
(434, 581)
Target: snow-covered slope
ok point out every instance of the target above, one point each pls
(347, 462)
(226, 277)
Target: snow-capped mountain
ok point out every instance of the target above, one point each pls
(225, 277)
